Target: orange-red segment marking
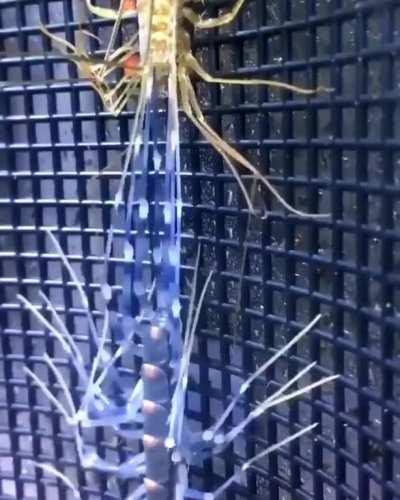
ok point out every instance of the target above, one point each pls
(131, 65)
(129, 5)
(132, 62)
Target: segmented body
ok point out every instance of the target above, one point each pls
(149, 197)
(153, 230)
(162, 29)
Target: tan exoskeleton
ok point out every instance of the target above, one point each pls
(165, 49)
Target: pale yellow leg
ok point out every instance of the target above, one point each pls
(64, 43)
(200, 23)
(199, 122)
(89, 34)
(126, 49)
(80, 59)
(193, 64)
(230, 152)
(124, 97)
(108, 13)
(118, 18)
(117, 87)
(113, 98)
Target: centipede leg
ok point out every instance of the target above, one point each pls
(221, 145)
(64, 43)
(214, 22)
(106, 13)
(187, 108)
(194, 65)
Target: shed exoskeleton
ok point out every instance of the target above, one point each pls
(163, 46)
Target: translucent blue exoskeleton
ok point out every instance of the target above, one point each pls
(151, 409)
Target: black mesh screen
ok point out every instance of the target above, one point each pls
(337, 153)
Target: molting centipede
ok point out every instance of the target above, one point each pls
(154, 67)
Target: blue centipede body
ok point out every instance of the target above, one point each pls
(151, 276)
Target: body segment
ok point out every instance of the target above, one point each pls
(149, 198)
(162, 31)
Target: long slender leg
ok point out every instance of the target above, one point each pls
(80, 59)
(193, 64)
(236, 156)
(127, 9)
(220, 144)
(270, 361)
(125, 51)
(213, 22)
(146, 82)
(108, 13)
(113, 96)
(118, 18)
(187, 107)
(268, 403)
(64, 43)
(96, 73)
